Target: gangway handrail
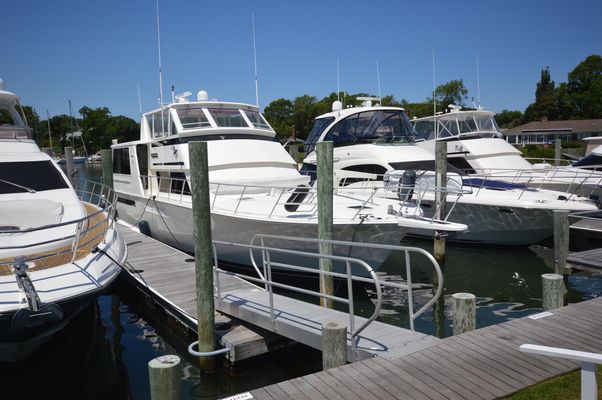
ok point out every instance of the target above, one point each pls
(266, 252)
(406, 249)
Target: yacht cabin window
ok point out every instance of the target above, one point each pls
(193, 118)
(121, 161)
(160, 123)
(257, 119)
(9, 115)
(371, 126)
(227, 118)
(18, 177)
(319, 126)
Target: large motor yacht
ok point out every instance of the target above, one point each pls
(475, 145)
(58, 248)
(374, 146)
(255, 186)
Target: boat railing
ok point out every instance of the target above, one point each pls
(551, 162)
(85, 233)
(228, 197)
(584, 182)
(263, 276)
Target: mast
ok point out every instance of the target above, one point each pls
(159, 53)
(255, 63)
(378, 79)
(434, 100)
(71, 125)
(338, 86)
(49, 135)
(478, 86)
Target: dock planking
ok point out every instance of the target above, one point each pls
(482, 364)
(168, 275)
(591, 259)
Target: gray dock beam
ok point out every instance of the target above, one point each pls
(439, 240)
(201, 214)
(325, 224)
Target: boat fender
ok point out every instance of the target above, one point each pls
(27, 318)
(295, 199)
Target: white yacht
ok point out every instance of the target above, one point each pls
(58, 247)
(374, 143)
(475, 145)
(255, 186)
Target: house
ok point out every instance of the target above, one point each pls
(544, 131)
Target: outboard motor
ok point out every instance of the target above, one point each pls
(406, 186)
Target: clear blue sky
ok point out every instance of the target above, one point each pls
(97, 52)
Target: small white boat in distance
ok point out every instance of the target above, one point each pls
(374, 149)
(255, 185)
(59, 248)
(475, 146)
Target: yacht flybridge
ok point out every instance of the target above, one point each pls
(374, 147)
(58, 247)
(255, 186)
(475, 145)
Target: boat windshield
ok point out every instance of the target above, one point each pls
(257, 119)
(457, 124)
(18, 177)
(193, 118)
(592, 161)
(374, 126)
(319, 125)
(9, 117)
(228, 118)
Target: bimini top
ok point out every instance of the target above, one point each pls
(12, 124)
(356, 125)
(457, 124)
(184, 120)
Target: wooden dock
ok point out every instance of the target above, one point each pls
(590, 259)
(482, 364)
(168, 276)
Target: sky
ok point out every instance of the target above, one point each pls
(97, 53)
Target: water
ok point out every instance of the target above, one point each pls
(104, 352)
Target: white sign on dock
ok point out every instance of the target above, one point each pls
(240, 396)
(540, 315)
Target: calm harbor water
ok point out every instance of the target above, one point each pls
(104, 352)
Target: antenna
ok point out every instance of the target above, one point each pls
(378, 79)
(139, 100)
(255, 62)
(159, 52)
(71, 125)
(49, 135)
(434, 99)
(478, 86)
(338, 86)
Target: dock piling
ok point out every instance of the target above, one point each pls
(201, 213)
(106, 156)
(439, 239)
(325, 224)
(69, 162)
(334, 345)
(557, 152)
(561, 241)
(553, 291)
(464, 312)
(164, 377)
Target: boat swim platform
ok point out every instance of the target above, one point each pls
(168, 276)
(482, 364)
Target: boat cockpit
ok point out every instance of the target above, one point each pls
(12, 122)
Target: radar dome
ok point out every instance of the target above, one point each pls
(337, 105)
(202, 96)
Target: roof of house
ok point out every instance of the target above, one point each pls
(573, 126)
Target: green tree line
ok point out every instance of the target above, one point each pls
(97, 125)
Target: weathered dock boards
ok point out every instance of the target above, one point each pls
(589, 258)
(483, 364)
(591, 227)
(165, 273)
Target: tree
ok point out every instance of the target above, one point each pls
(304, 112)
(452, 92)
(583, 90)
(546, 100)
(279, 114)
(94, 124)
(508, 118)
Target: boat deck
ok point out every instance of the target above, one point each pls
(169, 275)
(482, 364)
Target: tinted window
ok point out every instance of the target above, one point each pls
(193, 118)
(224, 117)
(316, 132)
(592, 160)
(256, 119)
(36, 175)
(121, 161)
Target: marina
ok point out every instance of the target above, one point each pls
(301, 243)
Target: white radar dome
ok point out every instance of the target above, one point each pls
(202, 96)
(337, 105)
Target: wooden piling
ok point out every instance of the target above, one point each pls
(464, 306)
(553, 291)
(440, 198)
(325, 222)
(69, 162)
(557, 152)
(106, 156)
(201, 213)
(164, 375)
(334, 345)
(561, 241)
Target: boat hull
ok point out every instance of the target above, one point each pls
(172, 224)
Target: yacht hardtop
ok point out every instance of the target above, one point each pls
(457, 124)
